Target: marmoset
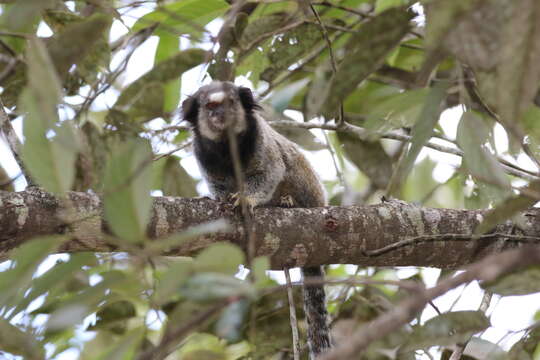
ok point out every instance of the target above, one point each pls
(275, 173)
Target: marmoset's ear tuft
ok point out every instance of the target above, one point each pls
(247, 99)
(190, 109)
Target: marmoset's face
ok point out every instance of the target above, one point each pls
(218, 106)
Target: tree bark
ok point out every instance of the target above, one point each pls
(388, 234)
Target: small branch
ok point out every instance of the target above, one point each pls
(292, 316)
(450, 237)
(344, 8)
(169, 153)
(13, 142)
(240, 185)
(484, 305)
(362, 133)
(340, 119)
(174, 335)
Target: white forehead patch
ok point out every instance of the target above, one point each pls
(217, 97)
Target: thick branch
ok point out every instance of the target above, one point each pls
(388, 234)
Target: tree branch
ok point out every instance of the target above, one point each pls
(289, 237)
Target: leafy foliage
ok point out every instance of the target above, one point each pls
(92, 120)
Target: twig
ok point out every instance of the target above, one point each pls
(393, 135)
(175, 335)
(458, 352)
(339, 173)
(470, 86)
(446, 237)
(239, 176)
(169, 153)
(292, 316)
(344, 8)
(340, 119)
(8, 69)
(15, 34)
(13, 142)
(143, 164)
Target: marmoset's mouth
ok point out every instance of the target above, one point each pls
(217, 123)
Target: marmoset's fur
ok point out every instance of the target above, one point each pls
(275, 171)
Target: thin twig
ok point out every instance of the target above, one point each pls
(458, 352)
(240, 183)
(15, 34)
(362, 133)
(13, 142)
(334, 161)
(363, 15)
(175, 334)
(292, 316)
(341, 117)
(169, 153)
(449, 237)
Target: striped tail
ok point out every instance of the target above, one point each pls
(316, 314)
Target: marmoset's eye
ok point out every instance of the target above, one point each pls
(212, 105)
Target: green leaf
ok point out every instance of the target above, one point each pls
(481, 163)
(128, 180)
(66, 47)
(290, 48)
(262, 28)
(49, 160)
(302, 137)
(182, 17)
(203, 347)
(171, 281)
(532, 126)
(508, 208)
(259, 267)
(71, 310)
(230, 324)
(26, 259)
(483, 349)
(6, 182)
(519, 61)
(144, 98)
(420, 182)
(221, 257)
(421, 133)
(173, 179)
(167, 47)
(124, 348)
(17, 342)
(280, 98)
(395, 110)
(369, 156)
(57, 276)
(446, 329)
(113, 316)
(382, 5)
(380, 35)
(527, 347)
(21, 17)
(517, 283)
(207, 287)
(441, 18)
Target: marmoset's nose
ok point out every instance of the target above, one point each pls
(213, 105)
